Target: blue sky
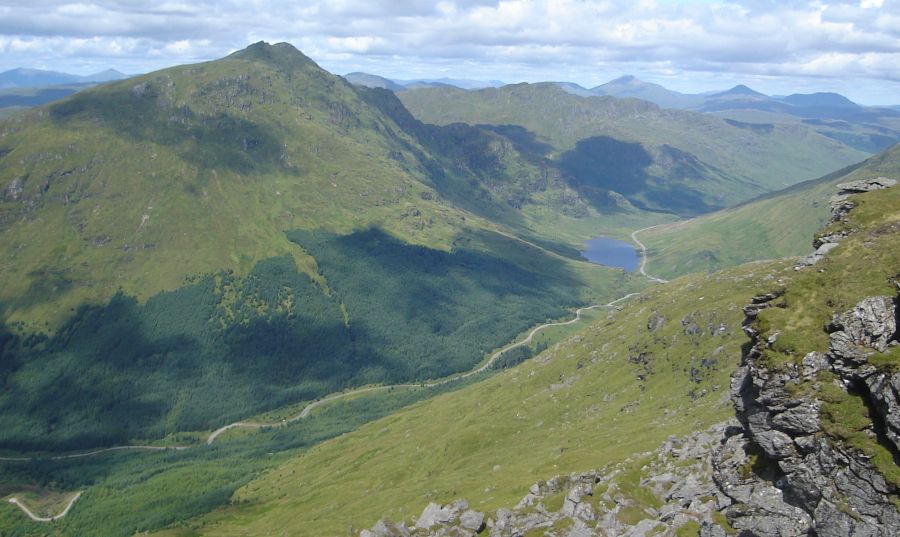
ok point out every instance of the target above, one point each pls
(852, 47)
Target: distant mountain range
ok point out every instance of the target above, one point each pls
(740, 96)
(24, 88)
(375, 81)
(31, 78)
(866, 128)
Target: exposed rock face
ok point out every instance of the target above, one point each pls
(809, 484)
(815, 485)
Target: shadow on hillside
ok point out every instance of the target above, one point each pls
(142, 113)
(432, 312)
(214, 351)
(523, 140)
(458, 158)
(660, 182)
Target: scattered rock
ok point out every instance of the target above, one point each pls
(434, 514)
(655, 322)
(866, 185)
(13, 190)
(472, 520)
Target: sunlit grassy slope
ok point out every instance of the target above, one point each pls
(777, 225)
(161, 239)
(617, 388)
(196, 169)
(658, 367)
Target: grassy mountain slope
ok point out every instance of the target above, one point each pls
(162, 239)
(658, 367)
(191, 170)
(630, 144)
(774, 226)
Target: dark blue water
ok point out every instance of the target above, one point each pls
(612, 253)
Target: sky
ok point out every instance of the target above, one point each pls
(778, 47)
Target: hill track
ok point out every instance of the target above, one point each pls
(643, 248)
(28, 512)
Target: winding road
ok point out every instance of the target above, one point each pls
(311, 406)
(643, 248)
(92, 453)
(18, 503)
(315, 404)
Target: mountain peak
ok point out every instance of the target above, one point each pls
(743, 90)
(282, 55)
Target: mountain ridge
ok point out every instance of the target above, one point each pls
(680, 152)
(23, 77)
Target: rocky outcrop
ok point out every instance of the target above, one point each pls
(455, 519)
(841, 205)
(600, 502)
(804, 482)
(771, 472)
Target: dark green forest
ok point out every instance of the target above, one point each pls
(224, 347)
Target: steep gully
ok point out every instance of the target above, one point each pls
(315, 404)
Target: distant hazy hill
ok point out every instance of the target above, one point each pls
(777, 225)
(24, 88)
(812, 105)
(833, 100)
(660, 159)
(376, 81)
(25, 78)
(372, 81)
(629, 86)
(870, 129)
(464, 83)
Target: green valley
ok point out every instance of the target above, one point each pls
(336, 278)
(664, 360)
